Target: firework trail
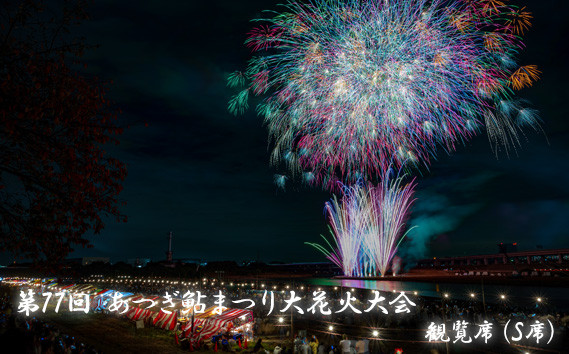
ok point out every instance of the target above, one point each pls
(367, 226)
(280, 181)
(351, 87)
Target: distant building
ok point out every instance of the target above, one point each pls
(138, 262)
(511, 262)
(189, 261)
(507, 247)
(90, 260)
(87, 260)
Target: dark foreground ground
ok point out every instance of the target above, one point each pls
(110, 334)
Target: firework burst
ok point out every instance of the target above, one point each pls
(351, 87)
(367, 226)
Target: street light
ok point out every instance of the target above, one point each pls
(375, 333)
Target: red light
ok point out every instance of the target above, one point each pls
(515, 243)
(398, 351)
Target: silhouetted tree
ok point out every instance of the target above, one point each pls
(56, 180)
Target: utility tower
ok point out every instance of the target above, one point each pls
(169, 253)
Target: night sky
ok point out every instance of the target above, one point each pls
(204, 174)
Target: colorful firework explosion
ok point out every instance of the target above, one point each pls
(367, 226)
(351, 87)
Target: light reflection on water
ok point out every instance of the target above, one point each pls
(522, 294)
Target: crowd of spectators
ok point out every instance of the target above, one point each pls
(423, 311)
(31, 335)
(311, 345)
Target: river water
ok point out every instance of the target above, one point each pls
(519, 294)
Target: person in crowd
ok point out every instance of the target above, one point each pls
(305, 347)
(258, 346)
(362, 346)
(314, 344)
(345, 345)
(297, 344)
